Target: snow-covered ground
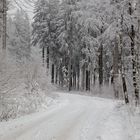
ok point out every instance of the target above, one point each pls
(72, 117)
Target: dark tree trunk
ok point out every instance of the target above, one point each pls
(56, 75)
(87, 80)
(4, 25)
(101, 65)
(48, 57)
(125, 90)
(112, 79)
(52, 74)
(43, 55)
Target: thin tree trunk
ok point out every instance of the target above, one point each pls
(78, 77)
(116, 70)
(61, 80)
(94, 77)
(43, 56)
(70, 77)
(87, 80)
(101, 65)
(125, 90)
(83, 78)
(74, 79)
(56, 75)
(4, 25)
(52, 74)
(48, 57)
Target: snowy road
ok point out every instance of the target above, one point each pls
(74, 118)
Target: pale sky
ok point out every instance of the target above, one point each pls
(26, 5)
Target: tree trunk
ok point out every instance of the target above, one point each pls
(134, 60)
(87, 80)
(70, 77)
(61, 80)
(116, 70)
(125, 90)
(43, 55)
(56, 75)
(94, 77)
(101, 65)
(52, 74)
(83, 78)
(48, 57)
(74, 79)
(122, 70)
(78, 77)
(136, 90)
(4, 10)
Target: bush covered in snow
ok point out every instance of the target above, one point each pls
(21, 89)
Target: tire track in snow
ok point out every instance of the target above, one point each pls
(82, 118)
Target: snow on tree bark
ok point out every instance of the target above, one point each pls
(134, 58)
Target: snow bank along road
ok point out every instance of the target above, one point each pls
(75, 117)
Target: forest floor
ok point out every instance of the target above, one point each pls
(73, 117)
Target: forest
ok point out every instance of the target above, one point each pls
(86, 47)
(87, 41)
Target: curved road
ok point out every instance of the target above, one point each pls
(75, 117)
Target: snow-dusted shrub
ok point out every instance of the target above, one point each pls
(20, 89)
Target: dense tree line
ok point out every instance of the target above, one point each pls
(85, 40)
(71, 45)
